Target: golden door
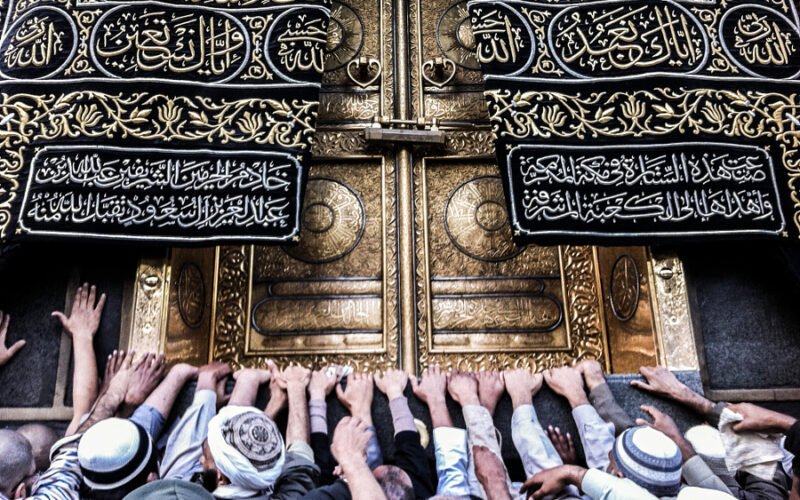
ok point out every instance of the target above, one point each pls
(406, 255)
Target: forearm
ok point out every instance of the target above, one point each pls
(164, 395)
(297, 428)
(106, 407)
(245, 390)
(361, 482)
(84, 376)
(440, 416)
(402, 419)
(694, 401)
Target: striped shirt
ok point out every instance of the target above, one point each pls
(62, 480)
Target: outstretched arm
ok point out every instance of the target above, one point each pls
(81, 326)
(296, 379)
(662, 382)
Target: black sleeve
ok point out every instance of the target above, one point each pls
(321, 445)
(792, 445)
(410, 456)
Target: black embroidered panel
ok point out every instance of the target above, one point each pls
(636, 121)
(183, 121)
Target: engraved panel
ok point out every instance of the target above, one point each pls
(482, 301)
(187, 337)
(327, 298)
(627, 300)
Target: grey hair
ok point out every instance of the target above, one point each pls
(16, 460)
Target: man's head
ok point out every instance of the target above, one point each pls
(116, 457)
(244, 447)
(170, 489)
(395, 483)
(42, 438)
(16, 463)
(649, 458)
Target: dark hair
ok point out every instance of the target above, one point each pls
(396, 484)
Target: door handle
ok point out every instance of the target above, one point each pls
(439, 71)
(364, 71)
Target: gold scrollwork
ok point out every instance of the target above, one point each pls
(744, 114)
(143, 116)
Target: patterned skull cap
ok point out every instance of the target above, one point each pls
(256, 437)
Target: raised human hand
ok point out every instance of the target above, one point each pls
(6, 353)
(522, 385)
(350, 440)
(592, 372)
(147, 374)
(113, 364)
(357, 396)
(661, 421)
(294, 375)
(563, 444)
(278, 399)
(552, 481)
(490, 388)
(463, 388)
(392, 382)
(432, 387)
(659, 380)
(212, 377)
(323, 381)
(568, 382)
(84, 317)
(758, 419)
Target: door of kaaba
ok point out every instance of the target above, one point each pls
(406, 255)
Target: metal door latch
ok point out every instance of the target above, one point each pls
(419, 131)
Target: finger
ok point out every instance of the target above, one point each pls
(643, 422)
(56, 314)
(650, 410)
(640, 384)
(4, 320)
(100, 304)
(92, 296)
(76, 300)
(19, 344)
(569, 440)
(84, 295)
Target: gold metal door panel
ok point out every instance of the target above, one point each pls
(331, 298)
(482, 301)
(447, 83)
(406, 256)
(358, 62)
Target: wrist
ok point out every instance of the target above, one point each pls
(470, 400)
(577, 399)
(352, 462)
(784, 422)
(206, 383)
(82, 338)
(363, 413)
(316, 395)
(295, 387)
(393, 394)
(520, 399)
(576, 475)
